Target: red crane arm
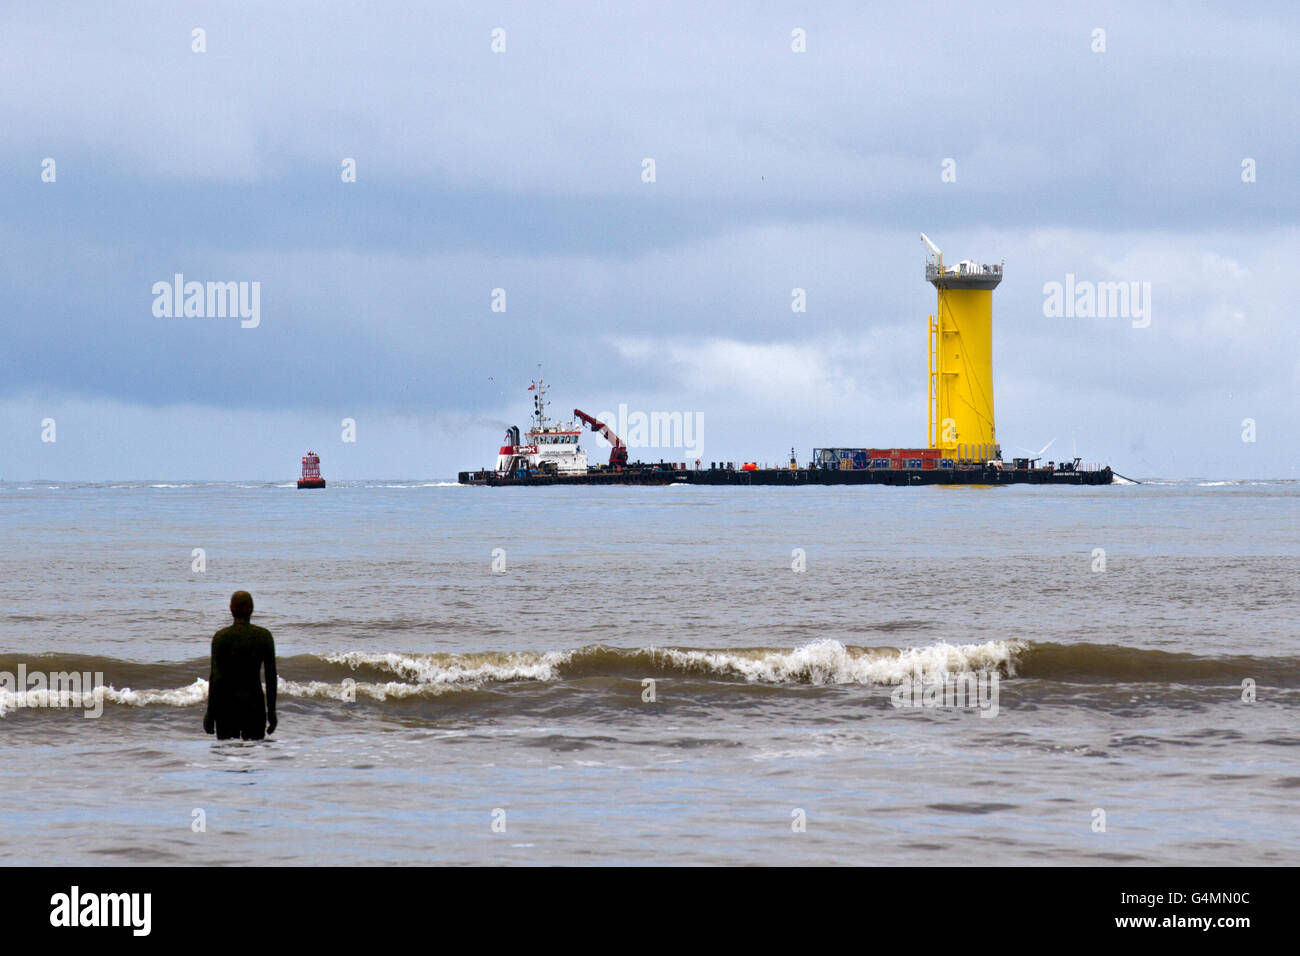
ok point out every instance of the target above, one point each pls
(618, 454)
(601, 427)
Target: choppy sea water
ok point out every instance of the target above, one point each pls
(464, 674)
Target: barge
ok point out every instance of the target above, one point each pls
(725, 473)
(962, 449)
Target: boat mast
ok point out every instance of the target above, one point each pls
(539, 401)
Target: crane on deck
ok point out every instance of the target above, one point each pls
(618, 453)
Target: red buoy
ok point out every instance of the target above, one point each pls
(311, 472)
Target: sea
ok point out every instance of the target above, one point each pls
(657, 676)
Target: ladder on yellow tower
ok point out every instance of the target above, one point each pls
(934, 382)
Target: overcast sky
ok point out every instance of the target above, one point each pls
(523, 170)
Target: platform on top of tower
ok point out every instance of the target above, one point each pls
(966, 274)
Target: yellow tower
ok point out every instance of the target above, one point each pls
(961, 358)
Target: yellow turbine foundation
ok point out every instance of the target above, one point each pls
(961, 363)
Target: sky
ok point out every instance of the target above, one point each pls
(794, 146)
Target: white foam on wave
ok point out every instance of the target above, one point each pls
(187, 696)
(460, 668)
(1238, 482)
(195, 693)
(40, 699)
(820, 662)
(424, 484)
(397, 690)
(830, 662)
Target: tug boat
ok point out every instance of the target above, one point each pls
(550, 448)
(311, 472)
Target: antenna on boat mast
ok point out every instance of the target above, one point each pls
(539, 399)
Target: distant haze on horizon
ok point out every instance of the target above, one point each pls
(1170, 159)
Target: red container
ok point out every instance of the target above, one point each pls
(898, 455)
(934, 453)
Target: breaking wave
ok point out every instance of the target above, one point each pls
(359, 675)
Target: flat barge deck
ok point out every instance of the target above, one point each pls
(667, 474)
